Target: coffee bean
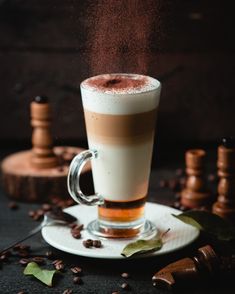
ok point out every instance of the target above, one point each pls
(59, 266)
(46, 207)
(13, 205)
(57, 261)
(24, 247)
(76, 270)
(68, 291)
(77, 280)
(97, 243)
(3, 257)
(23, 253)
(87, 243)
(125, 286)
(125, 275)
(38, 259)
(24, 261)
(76, 235)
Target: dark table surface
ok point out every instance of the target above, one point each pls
(99, 275)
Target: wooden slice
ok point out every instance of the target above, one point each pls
(23, 182)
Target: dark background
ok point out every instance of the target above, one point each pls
(43, 51)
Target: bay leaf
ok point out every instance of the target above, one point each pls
(208, 222)
(45, 276)
(142, 246)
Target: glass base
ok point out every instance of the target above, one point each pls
(133, 230)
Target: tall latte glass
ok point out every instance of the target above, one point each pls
(120, 114)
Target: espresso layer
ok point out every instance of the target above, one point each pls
(120, 129)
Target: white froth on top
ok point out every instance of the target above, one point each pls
(120, 99)
(119, 83)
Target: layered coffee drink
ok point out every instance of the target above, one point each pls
(120, 114)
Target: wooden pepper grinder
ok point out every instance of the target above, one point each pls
(225, 205)
(37, 174)
(195, 194)
(205, 265)
(42, 151)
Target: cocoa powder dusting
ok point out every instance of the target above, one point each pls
(122, 34)
(116, 82)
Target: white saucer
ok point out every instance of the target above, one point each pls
(180, 234)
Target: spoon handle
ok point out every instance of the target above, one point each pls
(30, 234)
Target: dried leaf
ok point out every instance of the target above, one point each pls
(142, 246)
(45, 276)
(208, 222)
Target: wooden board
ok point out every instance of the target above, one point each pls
(23, 182)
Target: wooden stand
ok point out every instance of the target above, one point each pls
(36, 175)
(195, 194)
(225, 205)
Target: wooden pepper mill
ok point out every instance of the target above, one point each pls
(206, 264)
(37, 174)
(195, 194)
(225, 205)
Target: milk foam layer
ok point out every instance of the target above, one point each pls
(127, 100)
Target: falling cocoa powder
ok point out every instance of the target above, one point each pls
(121, 34)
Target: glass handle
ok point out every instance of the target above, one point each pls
(73, 179)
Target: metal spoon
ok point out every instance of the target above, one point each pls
(56, 216)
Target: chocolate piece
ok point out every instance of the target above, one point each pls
(188, 270)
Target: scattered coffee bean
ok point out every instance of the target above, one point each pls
(76, 235)
(77, 280)
(76, 270)
(3, 257)
(23, 253)
(125, 286)
(57, 261)
(163, 184)
(13, 205)
(38, 259)
(59, 266)
(87, 243)
(68, 291)
(97, 243)
(125, 275)
(46, 207)
(24, 247)
(24, 261)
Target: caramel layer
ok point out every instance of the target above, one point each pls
(120, 129)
